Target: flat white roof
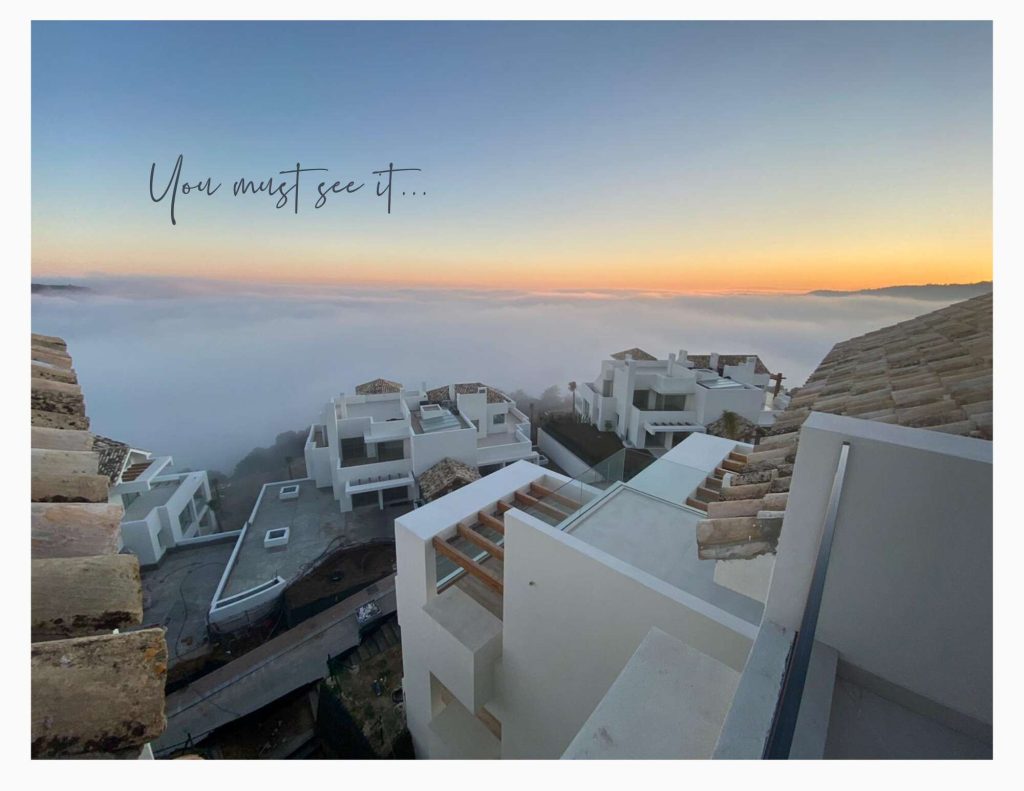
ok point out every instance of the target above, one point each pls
(158, 495)
(660, 538)
(315, 522)
(645, 524)
(389, 409)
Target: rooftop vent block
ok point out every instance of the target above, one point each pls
(278, 537)
(289, 493)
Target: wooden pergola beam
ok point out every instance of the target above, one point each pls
(533, 502)
(483, 542)
(470, 566)
(491, 521)
(543, 491)
(503, 506)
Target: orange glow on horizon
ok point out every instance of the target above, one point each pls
(775, 273)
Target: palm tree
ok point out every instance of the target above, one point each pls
(572, 398)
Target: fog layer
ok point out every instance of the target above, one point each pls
(205, 372)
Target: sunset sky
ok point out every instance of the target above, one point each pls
(676, 156)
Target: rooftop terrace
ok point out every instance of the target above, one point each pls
(387, 409)
(316, 528)
(644, 523)
(158, 495)
(315, 524)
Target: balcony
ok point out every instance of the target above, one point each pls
(465, 647)
(900, 667)
(674, 385)
(383, 455)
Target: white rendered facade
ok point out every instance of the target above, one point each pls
(613, 640)
(578, 599)
(371, 448)
(162, 509)
(656, 403)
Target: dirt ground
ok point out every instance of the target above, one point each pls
(382, 720)
(272, 732)
(346, 570)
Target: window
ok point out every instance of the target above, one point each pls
(398, 494)
(353, 448)
(499, 418)
(363, 499)
(391, 450)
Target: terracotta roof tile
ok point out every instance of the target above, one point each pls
(932, 372)
(376, 386)
(636, 353)
(445, 476)
(439, 394)
(112, 457)
(704, 361)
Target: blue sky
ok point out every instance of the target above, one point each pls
(565, 152)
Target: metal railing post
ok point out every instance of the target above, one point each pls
(780, 738)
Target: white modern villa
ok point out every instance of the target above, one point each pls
(649, 402)
(163, 509)
(373, 447)
(824, 594)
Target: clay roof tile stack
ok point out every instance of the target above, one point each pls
(96, 692)
(932, 372)
(445, 476)
(378, 386)
(443, 393)
(635, 353)
(704, 361)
